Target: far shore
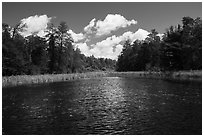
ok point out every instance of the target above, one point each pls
(9, 81)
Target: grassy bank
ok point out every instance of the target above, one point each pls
(27, 79)
(34, 79)
(179, 75)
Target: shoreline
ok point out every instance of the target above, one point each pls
(10, 81)
(178, 75)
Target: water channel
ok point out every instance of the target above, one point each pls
(109, 105)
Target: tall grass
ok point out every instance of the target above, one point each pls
(31, 79)
(178, 75)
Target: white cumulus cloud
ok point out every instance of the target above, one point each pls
(35, 25)
(88, 28)
(84, 49)
(75, 36)
(111, 23)
(112, 46)
(140, 34)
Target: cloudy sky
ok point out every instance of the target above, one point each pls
(100, 29)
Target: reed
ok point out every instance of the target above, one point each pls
(48, 78)
(36, 79)
(178, 75)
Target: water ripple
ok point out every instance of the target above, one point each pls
(103, 106)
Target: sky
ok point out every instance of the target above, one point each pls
(100, 28)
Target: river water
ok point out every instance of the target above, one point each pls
(109, 105)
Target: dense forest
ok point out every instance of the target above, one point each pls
(179, 49)
(53, 54)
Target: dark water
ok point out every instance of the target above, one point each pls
(104, 106)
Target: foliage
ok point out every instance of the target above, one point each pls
(180, 49)
(52, 54)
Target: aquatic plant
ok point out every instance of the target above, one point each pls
(36, 79)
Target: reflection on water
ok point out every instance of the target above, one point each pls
(103, 106)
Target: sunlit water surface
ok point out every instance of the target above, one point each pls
(110, 105)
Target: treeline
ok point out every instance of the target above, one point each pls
(52, 54)
(179, 49)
